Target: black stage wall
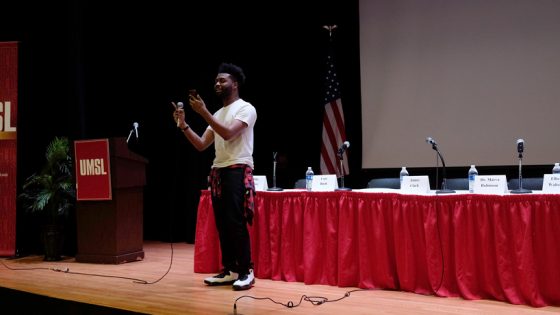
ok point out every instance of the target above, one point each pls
(89, 69)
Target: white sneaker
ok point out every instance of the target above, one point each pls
(226, 277)
(245, 282)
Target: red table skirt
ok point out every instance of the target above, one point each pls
(474, 246)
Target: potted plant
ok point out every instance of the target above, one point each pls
(51, 194)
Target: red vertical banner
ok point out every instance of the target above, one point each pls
(8, 146)
(93, 176)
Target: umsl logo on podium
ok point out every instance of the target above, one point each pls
(93, 175)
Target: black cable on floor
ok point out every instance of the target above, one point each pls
(315, 300)
(67, 270)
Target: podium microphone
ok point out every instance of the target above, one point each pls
(135, 125)
(443, 189)
(179, 106)
(520, 189)
(129, 135)
(133, 130)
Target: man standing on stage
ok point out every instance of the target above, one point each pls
(231, 176)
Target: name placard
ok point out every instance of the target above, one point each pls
(261, 183)
(415, 184)
(490, 184)
(324, 183)
(551, 184)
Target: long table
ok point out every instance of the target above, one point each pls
(504, 248)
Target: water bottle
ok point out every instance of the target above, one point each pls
(556, 168)
(404, 173)
(472, 173)
(308, 178)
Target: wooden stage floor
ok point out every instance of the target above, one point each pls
(36, 287)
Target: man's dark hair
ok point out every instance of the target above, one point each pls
(235, 71)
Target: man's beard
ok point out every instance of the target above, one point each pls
(224, 94)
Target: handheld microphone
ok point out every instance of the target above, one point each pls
(343, 148)
(179, 106)
(520, 145)
(135, 124)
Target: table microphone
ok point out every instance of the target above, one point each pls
(520, 189)
(520, 146)
(274, 188)
(341, 150)
(443, 189)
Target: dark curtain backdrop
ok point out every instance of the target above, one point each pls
(89, 69)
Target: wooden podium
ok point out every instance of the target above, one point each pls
(111, 231)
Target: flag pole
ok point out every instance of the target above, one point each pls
(331, 28)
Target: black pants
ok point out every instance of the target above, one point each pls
(231, 222)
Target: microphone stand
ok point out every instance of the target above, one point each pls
(443, 189)
(521, 190)
(274, 188)
(341, 169)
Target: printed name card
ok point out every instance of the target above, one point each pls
(324, 183)
(551, 184)
(415, 184)
(260, 182)
(490, 184)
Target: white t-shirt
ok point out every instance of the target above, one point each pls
(238, 150)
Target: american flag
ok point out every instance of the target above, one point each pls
(334, 133)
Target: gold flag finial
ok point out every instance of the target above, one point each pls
(330, 28)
